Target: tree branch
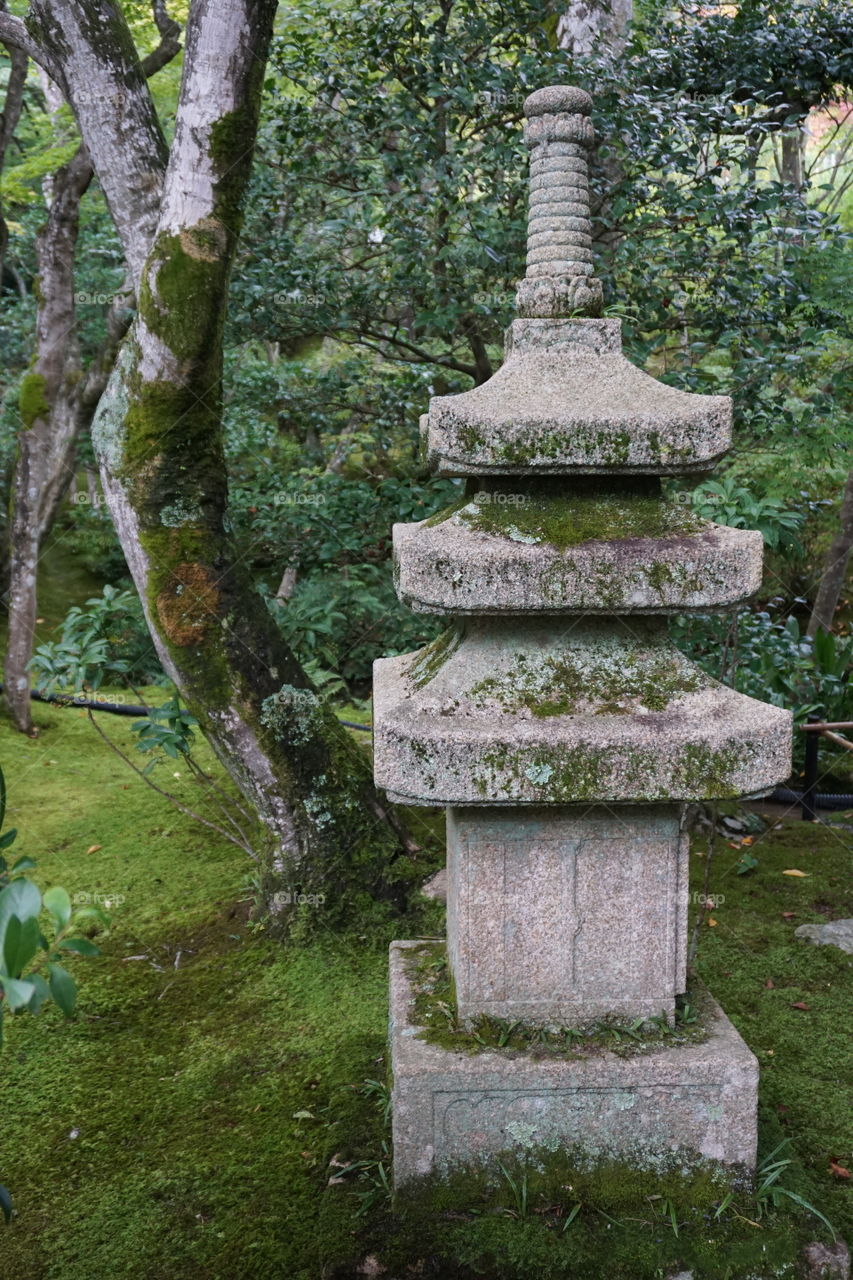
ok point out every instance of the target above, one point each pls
(14, 33)
(170, 40)
(9, 117)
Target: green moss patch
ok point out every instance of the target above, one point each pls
(567, 521)
(428, 661)
(218, 1108)
(32, 398)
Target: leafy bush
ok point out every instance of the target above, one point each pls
(105, 640)
(775, 661)
(167, 728)
(88, 533)
(728, 502)
(342, 620)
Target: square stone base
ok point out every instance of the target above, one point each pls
(451, 1107)
(561, 915)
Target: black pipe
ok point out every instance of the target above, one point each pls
(75, 700)
(126, 709)
(831, 800)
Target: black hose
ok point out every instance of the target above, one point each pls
(75, 700)
(832, 800)
(126, 709)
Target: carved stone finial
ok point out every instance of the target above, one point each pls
(559, 281)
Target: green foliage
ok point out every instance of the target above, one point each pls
(727, 502)
(402, 226)
(89, 535)
(107, 639)
(167, 728)
(775, 662)
(343, 619)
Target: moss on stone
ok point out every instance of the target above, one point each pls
(569, 521)
(704, 772)
(435, 1014)
(428, 661)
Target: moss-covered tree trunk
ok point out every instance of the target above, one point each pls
(158, 434)
(49, 402)
(57, 397)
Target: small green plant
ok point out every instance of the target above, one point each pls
(167, 728)
(518, 1187)
(746, 862)
(105, 640)
(769, 1194)
(167, 732)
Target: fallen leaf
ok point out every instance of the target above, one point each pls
(712, 922)
(770, 1052)
(747, 839)
(804, 875)
(94, 848)
(838, 1170)
(799, 1005)
(770, 983)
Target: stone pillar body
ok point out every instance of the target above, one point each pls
(558, 724)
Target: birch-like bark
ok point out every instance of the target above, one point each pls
(585, 24)
(158, 436)
(595, 26)
(57, 400)
(104, 82)
(10, 114)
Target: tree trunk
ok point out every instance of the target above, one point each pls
(586, 23)
(104, 81)
(9, 117)
(835, 568)
(158, 437)
(791, 166)
(57, 401)
(595, 26)
(48, 402)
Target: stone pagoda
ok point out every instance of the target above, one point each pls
(561, 728)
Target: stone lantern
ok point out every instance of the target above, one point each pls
(560, 727)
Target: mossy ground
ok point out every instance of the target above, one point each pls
(182, 1126)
